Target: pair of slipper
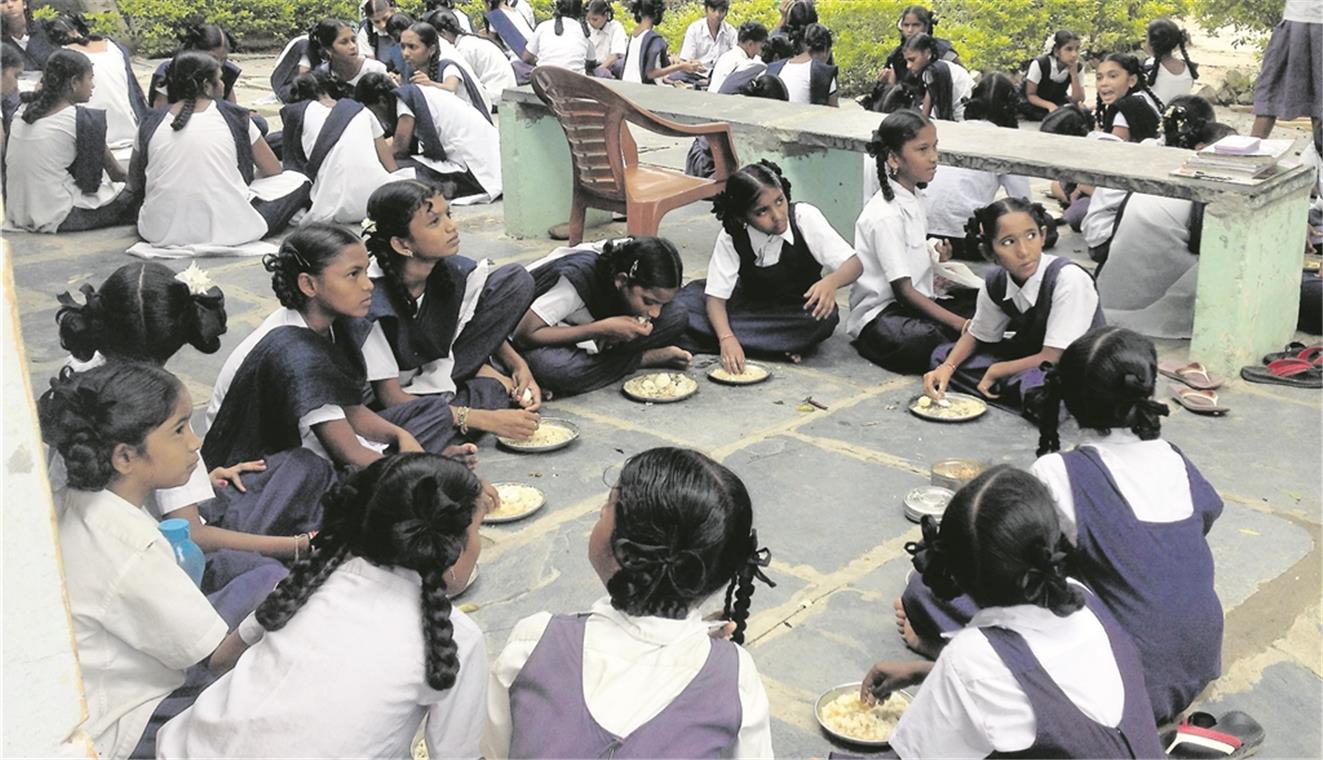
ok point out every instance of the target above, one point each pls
(1198, 392)
(1202, 736)
(1299, 366)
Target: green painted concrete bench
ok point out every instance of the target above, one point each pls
(1249, 272)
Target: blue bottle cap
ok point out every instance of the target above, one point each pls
(175, 529)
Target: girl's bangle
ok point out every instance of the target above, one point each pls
(462, 415)
(949, 364)
(725, 337)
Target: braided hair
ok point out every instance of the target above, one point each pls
(395, 25)
(925, 17)
(1000, 542)
(1164, 37)
(571, 9)
(412, 511)
(377, 91)
(743, 188)
(85, 415)
(445, 21)
(206, 37)
(1184, 121)
(63, 69)
(142, 312)
(321, 39)
(994, 99)
(432, 41)
(191, 75)
(896, 129)
(368, 9)
(981, 228)
(313, 85)
(778, 47)
(391, 208)
(683, 530)
(653, 9)
(646, 262)
(1131, 66)
(70, 29)
(309, 250)
(1106, 379)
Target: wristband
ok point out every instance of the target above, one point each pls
(462, 415)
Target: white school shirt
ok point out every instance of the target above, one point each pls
(343, 678)
(351, 171)
(561, 305)
(281, 317)
(522, 20)
(1073, 305)
(970, 705)
(824, 243)
(458, 68)
(631, 72)
(1303, 11)
(525, 10)
(962, 88)
(796, 77)
(138, 619)
(609, 40)
(40, 191)
(470, 141)
(731, 61)
(571, 49)
(1169, 85)
(891, 241)
(435, 376)
(492, 69)
(365, 66)
(112, 94)
(195, 193)
(633, 667)
(955, 193)
(1151, 277)
(700, 45)
(1058, 72)
(1150, 475)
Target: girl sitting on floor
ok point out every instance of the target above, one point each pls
(1168, 76)
(465, 23)
(914, 19)
(439, 319)
(510, 24)
(60, 174)
(1053, 79)
(488, 64)
(195, 162)
(1126, 107)
(601, 313)
(374, 39)
(676, 528)
(896, 318)
(646, 57)
(139, 622)
(401, 536)
(947, 86)
(608, 38)
(18, 28)
(562, 40)
(340, 145)
(808, 76)
(118, 92)
(431, 61)
(765, 293)
(1045, 300)
(333, 48)
(1042, 669)
(207, 38)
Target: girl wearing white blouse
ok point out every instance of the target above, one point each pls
(608, 37)
(484, 57)
(563, 41)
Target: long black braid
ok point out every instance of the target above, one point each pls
(896, 129)
(390, 209)
(63, 69)
(191, 75)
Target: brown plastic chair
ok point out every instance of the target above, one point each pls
(607, 172)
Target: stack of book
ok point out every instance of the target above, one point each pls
(1244, 160)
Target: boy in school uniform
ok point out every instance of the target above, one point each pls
(748, 51)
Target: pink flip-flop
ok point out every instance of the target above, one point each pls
(1194, 374)
(1197, 401)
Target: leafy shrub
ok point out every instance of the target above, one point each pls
(1251, 20)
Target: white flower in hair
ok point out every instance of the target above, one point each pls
(368, 226)
(197, 280)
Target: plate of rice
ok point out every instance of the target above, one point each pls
(552, 433)
(517, 502)
(753, 373)
(846, 718)
(660, 387)
(954, 407)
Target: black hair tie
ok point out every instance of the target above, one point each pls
(659, 562)
(759, 557)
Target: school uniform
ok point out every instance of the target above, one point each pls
(730, 61)
(387, 50)
(763, 279)
(955, 193)
(512, 29)
(365, 66)
(1136, 112)
(291, 58)
(1138, 513)
(570, 290)
(896, 58)
(810, 81)
(1168, 85)
(488, 64)
(1020, 679)
(1290, 84)
(156, 87)
(55, 180)
(571, 49)
(1052, 308)
(1148, 284)
(117, 92)
(36, 45)
(646, 52)
(607, 41)
(701, 45)
(636, 686)
(138, 620)
(452, 64)
(199, 181)
(343, 678)
(1052, 83)
(950, 87)
(455, 142)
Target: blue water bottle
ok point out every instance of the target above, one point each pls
(187, 554)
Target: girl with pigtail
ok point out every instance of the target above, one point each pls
(808, 74)
(946, 85)
(118, 92)
(333, 49)
(485, 58)
(510, 23)
(207, 175)
(1042, 668)
(1045, 300)
(1168, 76)
(207, 38)
(1136, 510)
(331, 660)
(765, 293)
(602, 311)
(1053, 79)
(61, 175)
(563, 40)
(896, 315)
(676, 528)
(373, 37)
(432, 62)
(646, 56)
(1126, 107)
(440, 322)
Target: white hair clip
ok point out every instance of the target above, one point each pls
(197, 280)
(368, 227)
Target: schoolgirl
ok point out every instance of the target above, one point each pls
(676, 528)
(374, 39)
(291, 62)
(399, 537)
(1290, 84)
(747, 54)
(444, 140)
(1053, 79)
(1135, 509)
(19, 29)
(333, 48)
(488, 64)
(750, 81)
(1167, 76)
(431, 61)
(947, 86)
(896, 315)
(608, 38)
(914, 19)
(1047, 301)
(646, 57)
(298, 379)
(60, 174)
(765, 293)
(1042, 668)
(118, 92)
(465, 23)
(439, 319)
(599, 313)
(510, 24)
(340, 145)
(1126, 107)
(808, 76)
(195, 163)
(139, 622)
(563, 40)
(208, 38)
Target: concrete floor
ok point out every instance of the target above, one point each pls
(827, 486)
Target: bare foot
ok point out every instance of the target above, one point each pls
(929, 649)
(793, 358)
(464, 453)
(669, 356)
(488, 370)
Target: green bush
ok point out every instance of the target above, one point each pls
(1251, 20)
